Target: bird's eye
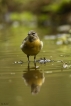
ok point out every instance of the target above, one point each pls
(33, 33)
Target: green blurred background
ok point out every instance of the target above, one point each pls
(35, 13)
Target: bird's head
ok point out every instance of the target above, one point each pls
(32, 36)
(35, 89)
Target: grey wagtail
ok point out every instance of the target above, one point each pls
(31, 45)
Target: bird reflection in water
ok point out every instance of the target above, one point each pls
(34, 77)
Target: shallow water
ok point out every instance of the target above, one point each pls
(53, 78)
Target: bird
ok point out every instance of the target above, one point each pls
(31, 45)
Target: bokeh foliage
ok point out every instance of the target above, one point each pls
(32, 5)
(51, 12)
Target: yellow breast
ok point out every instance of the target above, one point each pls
(32, 48)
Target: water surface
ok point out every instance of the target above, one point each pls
(53, 78)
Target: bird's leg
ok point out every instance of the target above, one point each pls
(28, 67)
(35, 61)
(35, 58)
(28, 58)
(35, 64)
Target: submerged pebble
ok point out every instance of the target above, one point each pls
(15, 62)
(12, 73)
(59, 61)
(65, 65)
(61, 55)
(19, 62)
(43, 60)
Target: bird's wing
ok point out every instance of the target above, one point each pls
(23, 43)
(41, 44)
(25, 40)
